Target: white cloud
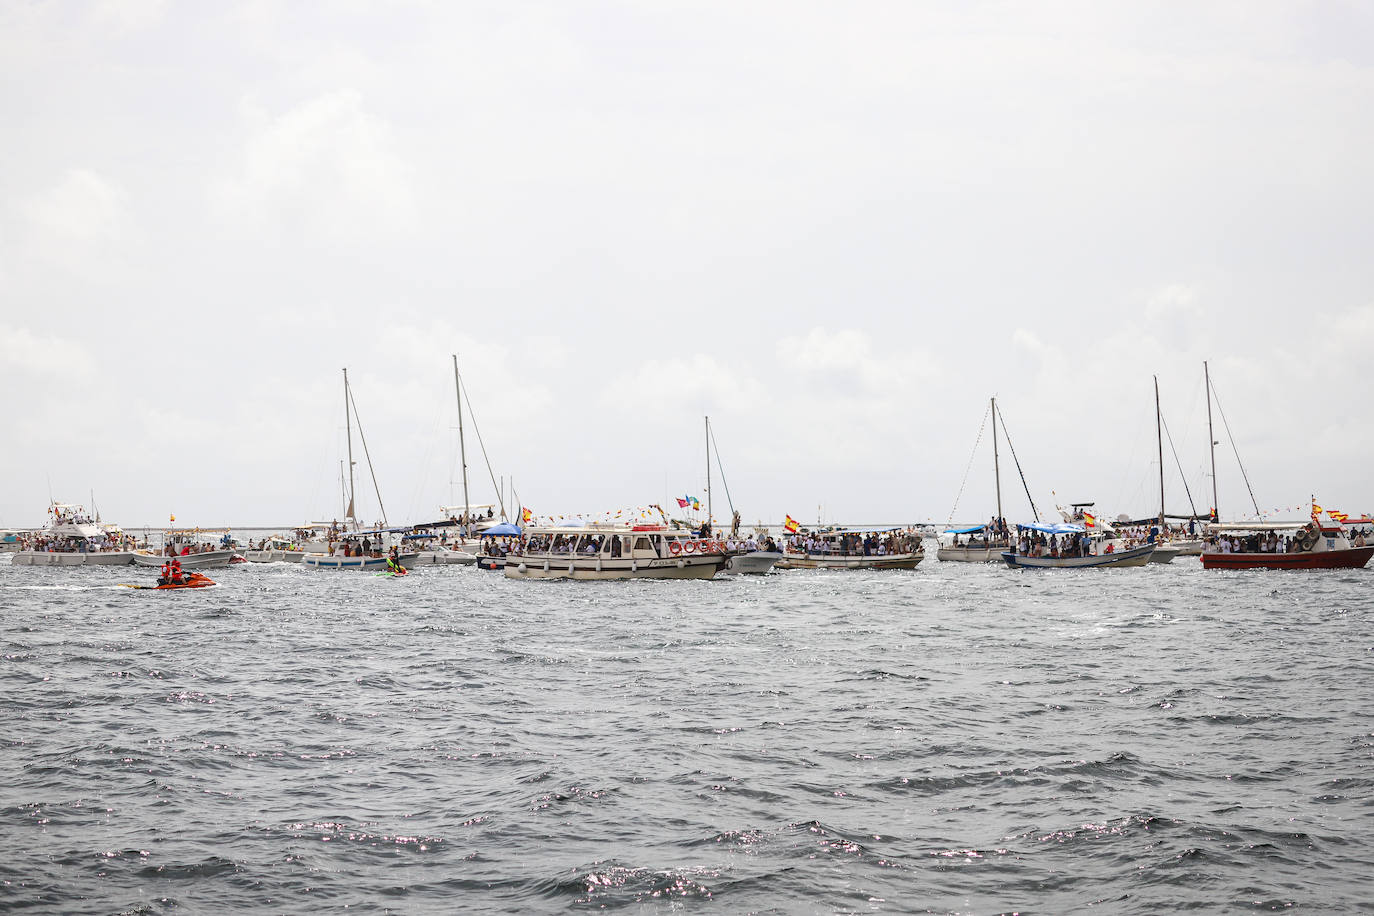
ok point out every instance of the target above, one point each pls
(83, 207)
(327, 166)
(43, 361)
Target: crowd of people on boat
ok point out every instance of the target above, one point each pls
(1270, 542)
(996, 533)
(45, 543)
(855, 544)
(1032, 543)
(172, 549)
(365, 546)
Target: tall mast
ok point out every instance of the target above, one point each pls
(1211, 440)
(708, 469)
(462, 450)
(1159, 437)
(996, 462)
(348, 426)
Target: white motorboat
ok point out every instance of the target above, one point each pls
(445, 556)
(311, 538)
(187, 545)
(752, 562)
(275, 549)
(610, 551)
(73, 538)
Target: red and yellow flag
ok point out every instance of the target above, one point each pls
(791, 525)
(1089, 520)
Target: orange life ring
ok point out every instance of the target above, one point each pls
(690, 547)
(674, 547)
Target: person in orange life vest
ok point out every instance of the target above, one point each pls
(176, 572)
(166, 574)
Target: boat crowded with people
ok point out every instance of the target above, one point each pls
(74, 538)
(1316, 544)
(613, 551)
(191, 546)
(853, 548)
(1069, 546)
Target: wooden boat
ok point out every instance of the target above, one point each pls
(371, 561)
(1071, 546)
(1134, 556)
(609, 551)
(835, 549)
(1312, 546)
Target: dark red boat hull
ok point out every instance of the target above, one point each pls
(1351, 558)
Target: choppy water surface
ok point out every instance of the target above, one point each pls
(955, 739)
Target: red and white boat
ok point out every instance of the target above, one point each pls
(1315, 545)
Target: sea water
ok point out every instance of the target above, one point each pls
(961, 738)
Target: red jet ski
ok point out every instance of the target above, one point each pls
(189, 580)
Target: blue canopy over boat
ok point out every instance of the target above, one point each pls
(505, 529)
(1054, 529)
(965, 530)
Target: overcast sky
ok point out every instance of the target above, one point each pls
(837, 229)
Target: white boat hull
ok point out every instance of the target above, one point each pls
(445, 558)
(53, 558)
(1136, 556)
(273, 556)
(843, 561)
(324, 561)
(1164, 553)
(563, 566)
(753, 563)
(967, 554)
(211, 559)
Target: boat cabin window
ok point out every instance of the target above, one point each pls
(642, 543)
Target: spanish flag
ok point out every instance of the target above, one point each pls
(1089, 520)
(791, 525)
(526, 516)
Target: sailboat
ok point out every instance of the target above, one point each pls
(435, 550)
(355, 547)
(1277, 545)
(742, 560)
(984, 543)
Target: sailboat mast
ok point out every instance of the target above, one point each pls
(996, 461)
(708, 469)
(348, 427)
(462, 450)
(1159, 437)
(1211, 440)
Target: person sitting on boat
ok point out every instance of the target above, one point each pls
(393, 563)
(166, 575)
(175, 573)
